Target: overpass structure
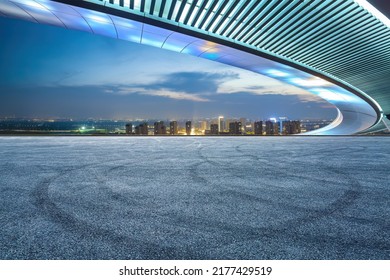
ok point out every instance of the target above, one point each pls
(336, 49)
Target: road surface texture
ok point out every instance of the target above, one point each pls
(194, 198)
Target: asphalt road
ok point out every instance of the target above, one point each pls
(194, 198)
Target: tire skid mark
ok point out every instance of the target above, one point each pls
(231, 233)
(289, 173)
(72, 224)
(348, 198)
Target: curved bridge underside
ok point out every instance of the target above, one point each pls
(338, 50)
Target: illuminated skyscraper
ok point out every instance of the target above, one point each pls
(141, 129)
(291, 127)
(282, 120)
(159, 128)
(221, 124)
(243, 125)
(235, 128)
(259, 128)
(214, 129)
(129, 128)
(173, 128)
(203, 125)
(271, 128)
(226, 124)
(188, 127)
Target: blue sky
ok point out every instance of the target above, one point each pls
(51, 72)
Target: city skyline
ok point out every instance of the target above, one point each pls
(47, 78)
(195, 127)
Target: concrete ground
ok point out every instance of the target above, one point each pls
(194, 198)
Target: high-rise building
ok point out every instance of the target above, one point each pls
(129, 128)
(221, 124)
(188, 127)
(226, 125)
(271, 128)
(249, 127)
(173, 128)
(282, 120)
(203, 125)
(235, 128)
(291, 127)
(258, 128)
(159, 128)
(141, 129)
(243, 125)
(296, 127)
(214, 129)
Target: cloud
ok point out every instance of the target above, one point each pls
(191, 86)
(257, 84)
(178, 95)
(193, 82)
(198, 86)
(161, 92)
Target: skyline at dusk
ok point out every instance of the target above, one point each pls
(51, 72)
